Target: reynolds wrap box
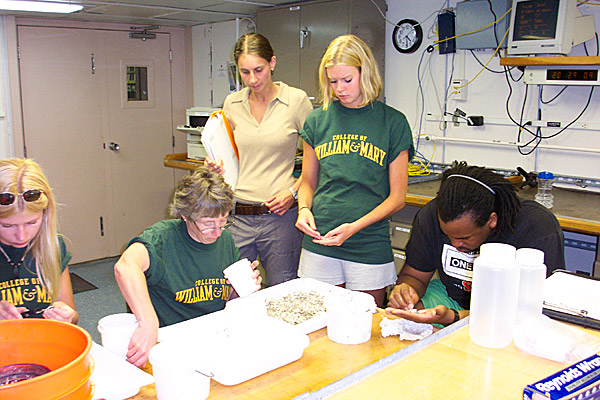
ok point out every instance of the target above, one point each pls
(580, 381)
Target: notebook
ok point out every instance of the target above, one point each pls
(573, 298)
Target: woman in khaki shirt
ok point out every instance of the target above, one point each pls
(266, 117)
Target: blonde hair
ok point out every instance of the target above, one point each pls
(350, 50)
(17, 176)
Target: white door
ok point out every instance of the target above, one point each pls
(74, 94)
(141, 185)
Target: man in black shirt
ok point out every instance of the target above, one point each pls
(474, 206)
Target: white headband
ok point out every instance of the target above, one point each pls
(474, 180)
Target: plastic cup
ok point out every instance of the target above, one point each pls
(116, 331)
(240, 275)
(350, 317)
(175, 378)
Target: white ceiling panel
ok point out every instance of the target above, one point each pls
(160, 12)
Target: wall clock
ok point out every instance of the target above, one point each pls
(407, 36)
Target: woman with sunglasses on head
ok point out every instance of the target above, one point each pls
(173, 271)
(34, 276)
(266, 117)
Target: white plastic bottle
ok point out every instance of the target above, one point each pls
(494, 296)
(544, 194)
(531, 283)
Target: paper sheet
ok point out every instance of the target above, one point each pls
(219, 147)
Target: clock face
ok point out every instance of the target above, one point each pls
(407, 36)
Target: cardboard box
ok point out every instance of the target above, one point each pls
(579, 381)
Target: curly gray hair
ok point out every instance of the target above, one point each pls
(202, 194)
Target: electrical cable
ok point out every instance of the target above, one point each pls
(422, 97)
(483, 65)
(393, 23)
(476, 30)
(554, 98)
(423, 169)
(538, 135)
(483, 69)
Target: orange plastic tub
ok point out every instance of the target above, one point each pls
(63, 348)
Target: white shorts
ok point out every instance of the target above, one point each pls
(356, 276)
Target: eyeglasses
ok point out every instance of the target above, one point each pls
(204, 230)
(7, 198)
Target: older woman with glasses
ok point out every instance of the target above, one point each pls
(34, 276)
(173, 271)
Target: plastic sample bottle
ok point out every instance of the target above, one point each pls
(494, 296)
(544, 194)
(531, 283)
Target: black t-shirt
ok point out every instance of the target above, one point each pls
(536, 228)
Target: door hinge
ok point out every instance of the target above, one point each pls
(93, 62)
(101, 226)
(18, 52)
(171, 55)
(173, 141)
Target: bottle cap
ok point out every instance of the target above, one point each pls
(545, 175)
(530, 257)
(498, 253)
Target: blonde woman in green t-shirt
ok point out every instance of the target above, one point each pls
(355, 174)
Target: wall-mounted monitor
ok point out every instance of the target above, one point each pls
(547, 27)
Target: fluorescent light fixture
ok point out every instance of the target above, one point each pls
(55, 6)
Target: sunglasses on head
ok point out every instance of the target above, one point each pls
(7, 198)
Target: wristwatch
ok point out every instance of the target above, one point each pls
(294, 193)
(456, 316)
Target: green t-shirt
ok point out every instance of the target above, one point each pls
(26, 290)
(355, 148)
(185, 278)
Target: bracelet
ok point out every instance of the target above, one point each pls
(300, 208)
(294, 193)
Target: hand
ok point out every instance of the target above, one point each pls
(337, 236)
(281, 202)
(142, 340)
(214, 165)
(60, 311)
(9, 311)
(437, 315)
(404, 297)
(306, 223)
(256, 273)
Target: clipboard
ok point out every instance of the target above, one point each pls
(572, 298)
(219, 143)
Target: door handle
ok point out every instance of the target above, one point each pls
(113, 146)
(303, 35)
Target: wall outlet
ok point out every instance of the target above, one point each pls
(460, 93)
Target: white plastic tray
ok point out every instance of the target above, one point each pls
(299, 285)
(229, 359)
(206, 341)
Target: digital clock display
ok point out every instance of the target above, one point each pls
(584, 75)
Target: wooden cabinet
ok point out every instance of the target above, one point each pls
(299, 34)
